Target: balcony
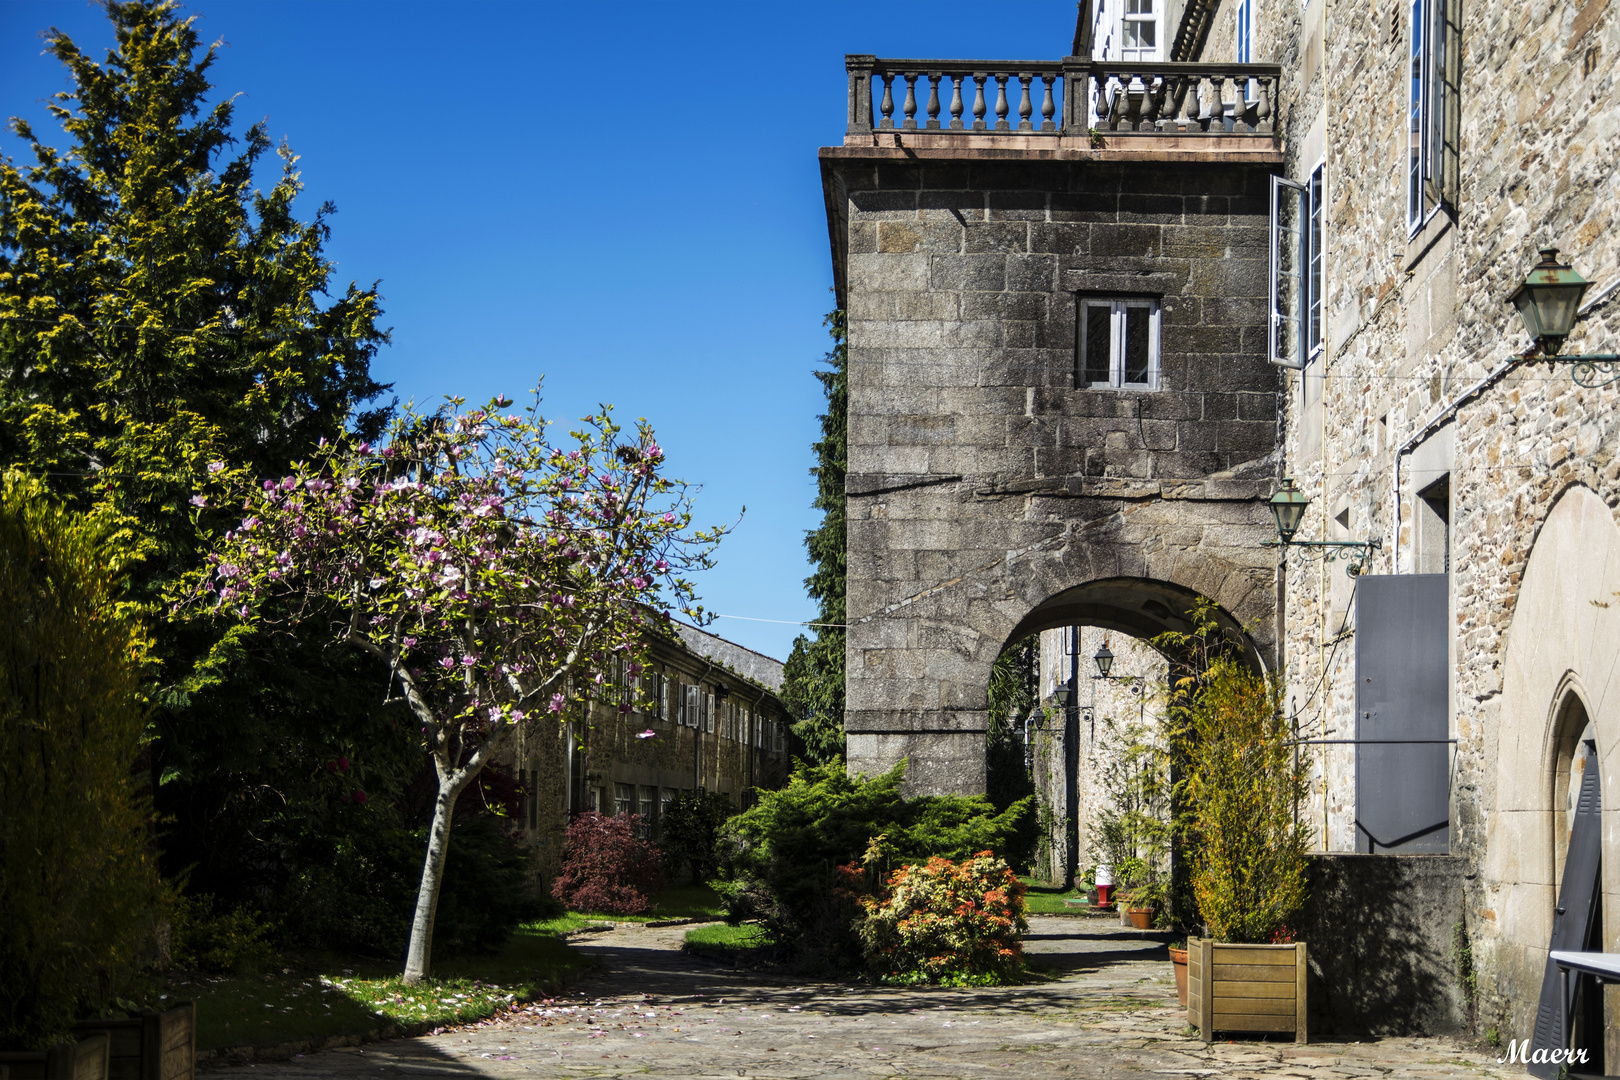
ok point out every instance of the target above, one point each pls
(1071, 108)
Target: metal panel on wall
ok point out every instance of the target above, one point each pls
(1403, 756)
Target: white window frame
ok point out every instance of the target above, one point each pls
(1297, 315)
(1316, 261)
(1243, 34)
(1428, 107)
(1117, 306)
(1156, 17)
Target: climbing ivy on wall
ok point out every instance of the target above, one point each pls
(813, 678)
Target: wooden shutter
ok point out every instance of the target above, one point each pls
(1572, 919)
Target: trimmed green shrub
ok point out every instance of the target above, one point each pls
(689, 829)
(780, 859)
(230, 940)
(80, 894)
(956, 923)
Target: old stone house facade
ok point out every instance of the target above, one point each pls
(1099, 307)
(1492, 132)
(703, 715)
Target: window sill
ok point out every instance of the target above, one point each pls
(1419, 244)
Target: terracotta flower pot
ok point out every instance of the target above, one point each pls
(1141, 917)
(1178, 957)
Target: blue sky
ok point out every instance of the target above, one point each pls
(623, 198)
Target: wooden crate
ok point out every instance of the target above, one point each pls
(157, 1046)
(83, 1060)
(1245, 988)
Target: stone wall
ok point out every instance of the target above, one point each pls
(1102, 707)
(1383, 934)
(1415, 377)
(987, 492)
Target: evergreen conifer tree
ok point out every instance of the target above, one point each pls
(813, 677)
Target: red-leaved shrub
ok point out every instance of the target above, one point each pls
(607, 867)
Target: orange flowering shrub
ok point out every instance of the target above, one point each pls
(946, 922)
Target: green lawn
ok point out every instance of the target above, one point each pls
(314, 998)
(723, 942)
(1046, 898)
(678, 902)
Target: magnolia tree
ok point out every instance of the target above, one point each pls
(497, 575)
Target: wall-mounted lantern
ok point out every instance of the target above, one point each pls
(1288, 507)
(1105, 660)
(1548, 300)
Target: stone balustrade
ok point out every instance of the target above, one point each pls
(968, 100)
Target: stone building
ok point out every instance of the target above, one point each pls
(1075, 760)
(1317, 251)
(702, 716)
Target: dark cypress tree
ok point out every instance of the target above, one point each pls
(813, 678)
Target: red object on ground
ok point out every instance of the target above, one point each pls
(1105, 895)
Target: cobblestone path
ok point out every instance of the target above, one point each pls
(1109, 1011)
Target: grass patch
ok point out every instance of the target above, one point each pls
(318, 1000)
(318, 997)
(723, 942)
(679, 902)
(1045, 898)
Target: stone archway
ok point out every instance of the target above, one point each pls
(918, 664)
(1561, 647)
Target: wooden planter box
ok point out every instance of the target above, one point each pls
(1245, 988)
(157, 1046)
(83, 1060)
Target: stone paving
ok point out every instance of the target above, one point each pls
(1108, 1011)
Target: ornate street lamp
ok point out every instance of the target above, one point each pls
(1548, 300)
(1105, 660)
(1288, 507)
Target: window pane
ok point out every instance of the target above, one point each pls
(1139, 7)
(1097, 340)
(1414, 109)
(1317, 280)
(1137, 319)
(1287, 275)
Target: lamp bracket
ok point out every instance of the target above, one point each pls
(1356, 553)
(1591, 369)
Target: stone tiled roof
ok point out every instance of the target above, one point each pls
(758, 667)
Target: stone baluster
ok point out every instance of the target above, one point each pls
(1001, 104)
(887, 107)
(1048, 106)
(1025, 109)
(910, 106)
(1134, 92)
(956, 102)
(1187, 102)
(1217, 105)
(1154, 112)
(978, 101)
(933, 100)
(1101, 108)
(1262, 110)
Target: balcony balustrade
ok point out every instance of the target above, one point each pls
(1074, 102)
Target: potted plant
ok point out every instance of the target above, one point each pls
(1178, 960)
(1241, 788)
(1131, 833)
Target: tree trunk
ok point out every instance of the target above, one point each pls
(419, 954)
